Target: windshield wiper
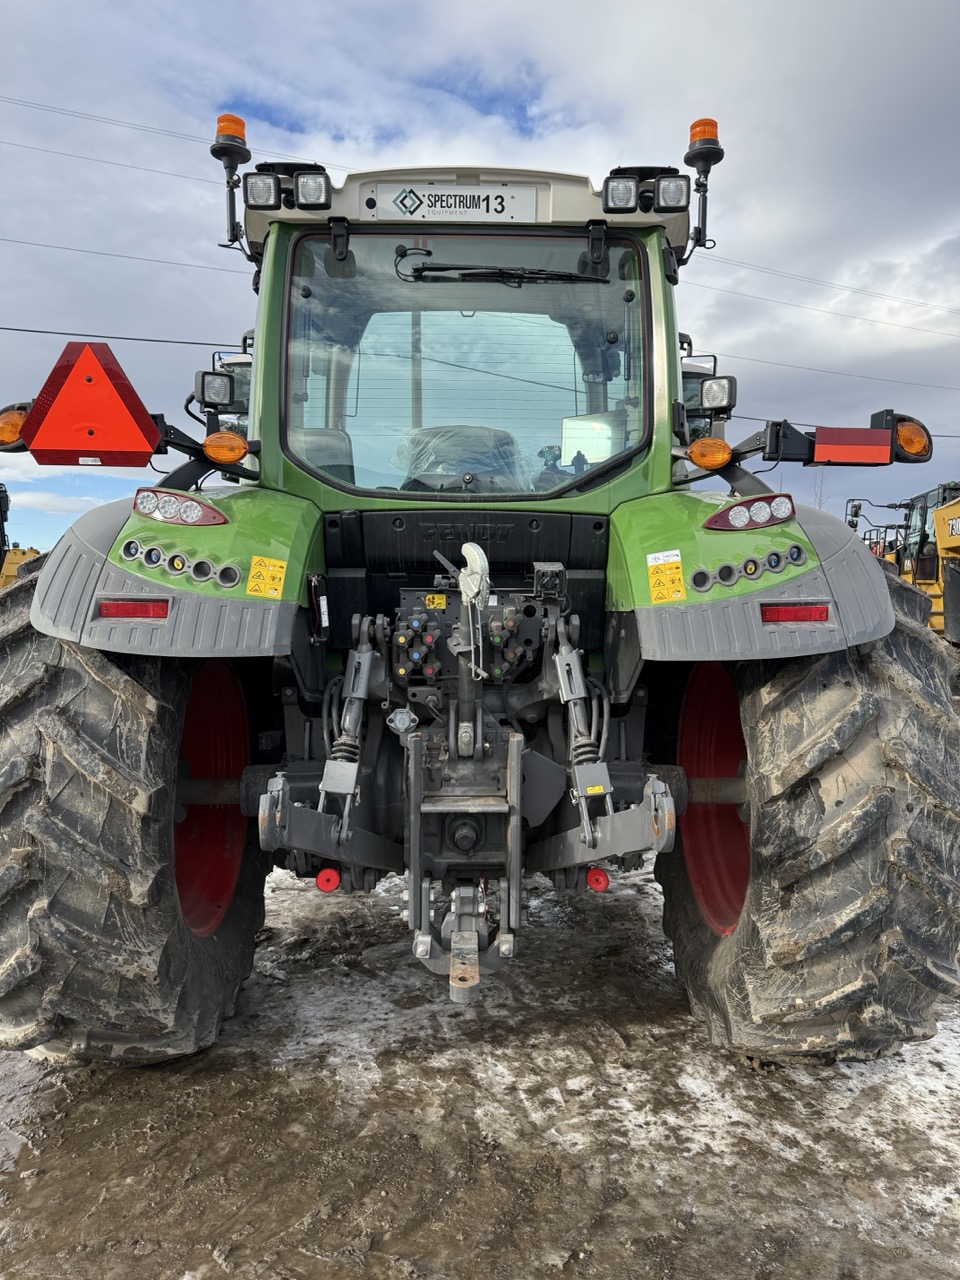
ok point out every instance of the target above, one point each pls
(515, 277)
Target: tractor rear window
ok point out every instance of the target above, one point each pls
(459, 364)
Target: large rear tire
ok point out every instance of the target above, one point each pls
(823, 919)
(126, 924)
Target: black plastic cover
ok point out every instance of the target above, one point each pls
(371, 555)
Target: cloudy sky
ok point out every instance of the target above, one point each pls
(833, 291)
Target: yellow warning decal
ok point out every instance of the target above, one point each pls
(665, 571)
(438, 601)
(266, 577)
(598, 789)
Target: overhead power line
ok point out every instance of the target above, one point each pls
(220, 346)
(117, 337)
(127, 257)
(146, 128)
(86, 115)
(837, 373)
(824, 311)
(827, 284)
(118, 164)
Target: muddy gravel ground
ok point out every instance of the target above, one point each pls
(353, 1122)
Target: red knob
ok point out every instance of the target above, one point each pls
(597, 879)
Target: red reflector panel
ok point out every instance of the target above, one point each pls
(794, 613)
(856, 446)
(88, 414)
(134, 608)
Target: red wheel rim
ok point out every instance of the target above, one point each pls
(211, 838)
(716, 841)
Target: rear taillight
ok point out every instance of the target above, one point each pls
(176, 508)
(755, 513)
(134, 608)
(794, 613)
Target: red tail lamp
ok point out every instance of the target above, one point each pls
(134, 608)
(794, 613)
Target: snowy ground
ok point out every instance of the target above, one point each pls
(353, 1123)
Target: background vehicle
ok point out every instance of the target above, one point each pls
(12, 555)
(456, 613)
(925, 547)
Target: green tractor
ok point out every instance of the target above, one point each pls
(438, 598)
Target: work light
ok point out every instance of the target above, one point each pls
(311, 190)
(671, 193)
(214, 389)
(620, 194)
(261, 190)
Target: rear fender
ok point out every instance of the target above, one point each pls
(724, 623)
(265, 546)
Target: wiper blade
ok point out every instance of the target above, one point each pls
(513, 276)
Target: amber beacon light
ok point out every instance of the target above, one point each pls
(705, 149)
(231, 130)
(230, 148)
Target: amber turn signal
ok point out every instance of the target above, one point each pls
(11, 424)
(225, 446)
(710, 453)
(913, 439)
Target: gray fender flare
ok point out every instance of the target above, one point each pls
(849, 579)
(76, 574)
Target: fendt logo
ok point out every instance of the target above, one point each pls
(408, 201)
(466, 532)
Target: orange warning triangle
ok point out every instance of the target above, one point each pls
(88, 413)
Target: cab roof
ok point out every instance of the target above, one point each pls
(452, 196)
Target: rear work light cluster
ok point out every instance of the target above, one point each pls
(175, 508)
(756, 514)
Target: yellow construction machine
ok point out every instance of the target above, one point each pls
(12, 555)
(924, 546)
